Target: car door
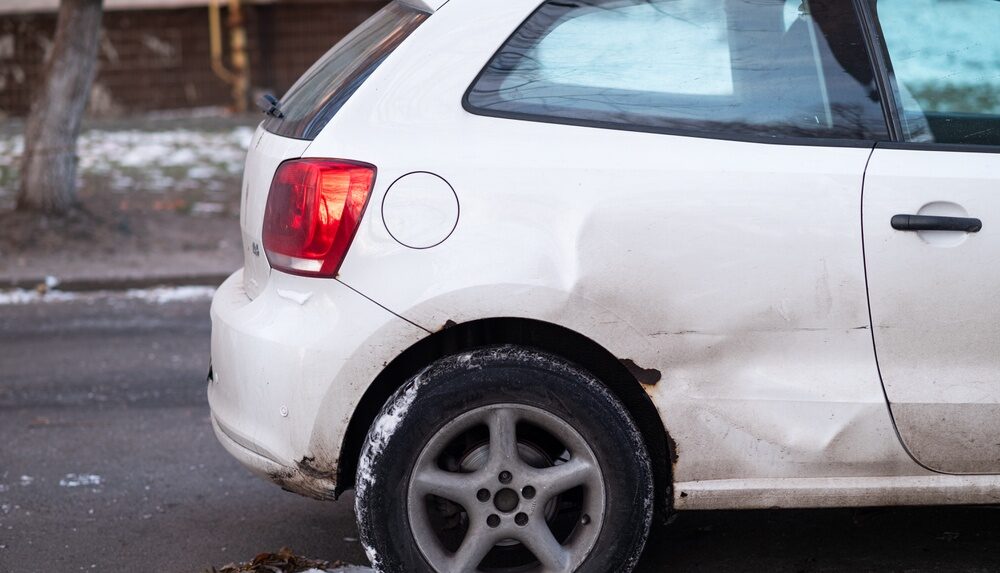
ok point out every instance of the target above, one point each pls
(931, 220)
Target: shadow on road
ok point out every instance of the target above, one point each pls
(910, 540)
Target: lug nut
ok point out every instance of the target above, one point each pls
(505, 476)
(528, 492)
(521, 519)
(493, 520)
(483, 495)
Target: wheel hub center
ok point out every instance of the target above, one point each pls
(506, 500)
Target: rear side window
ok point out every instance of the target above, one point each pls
(945, 56)
(750, 68)
(329, 83)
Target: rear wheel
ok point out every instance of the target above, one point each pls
(504, 460)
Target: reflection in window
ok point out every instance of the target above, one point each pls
(765, 68)
(645, 47)
(946, 59)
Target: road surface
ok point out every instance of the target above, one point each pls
(109, 464)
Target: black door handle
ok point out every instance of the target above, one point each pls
(932, 223)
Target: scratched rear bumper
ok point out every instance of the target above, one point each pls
(298, 480)
(289, 368)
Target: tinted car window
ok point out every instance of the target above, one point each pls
(767, 68)
(329, 83)
(945, 56)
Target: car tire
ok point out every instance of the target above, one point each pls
(504, 459)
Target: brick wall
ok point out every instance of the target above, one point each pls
(159, 59)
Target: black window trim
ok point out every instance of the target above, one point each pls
(355, 81)
(872, 34)
(719, 136)
(886, 78)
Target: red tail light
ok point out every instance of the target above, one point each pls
(313, 211)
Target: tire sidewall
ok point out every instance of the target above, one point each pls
(464, 382)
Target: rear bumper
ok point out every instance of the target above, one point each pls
(289, 369)
(294, 479)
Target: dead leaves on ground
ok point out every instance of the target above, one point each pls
(284, 561)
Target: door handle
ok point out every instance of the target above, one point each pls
(935, 223)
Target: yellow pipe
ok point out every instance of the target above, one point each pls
(215, 42)
(238, 56)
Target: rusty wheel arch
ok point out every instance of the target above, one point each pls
(554, 339)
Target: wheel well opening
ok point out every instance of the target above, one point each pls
(547, 337)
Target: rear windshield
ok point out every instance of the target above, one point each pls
(329, 83)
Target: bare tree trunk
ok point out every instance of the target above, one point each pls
(48, 173)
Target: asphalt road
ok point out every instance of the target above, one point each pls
(108, 463)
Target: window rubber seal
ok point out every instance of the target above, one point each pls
(872, 33)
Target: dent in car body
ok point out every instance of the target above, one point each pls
(733, 268)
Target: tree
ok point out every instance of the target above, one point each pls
(48, 171)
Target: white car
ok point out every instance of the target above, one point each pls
(526, 273)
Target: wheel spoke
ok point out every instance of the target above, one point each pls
(539, 539)
(558, 479)
(503, 438)
(504, 496)
(477, 543)
(457, 487)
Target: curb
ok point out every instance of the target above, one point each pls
(91, 284)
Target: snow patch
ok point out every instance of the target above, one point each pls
(382, 430)
(207, 208)
(157, 295)
(135, 159)
(162, 295)
(344, 569)
(22, 296)
(78, 480)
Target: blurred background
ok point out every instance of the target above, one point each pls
(166, 121)
(108, 460)
(110, 250)
(156, 55)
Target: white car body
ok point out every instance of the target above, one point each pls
(728, 276)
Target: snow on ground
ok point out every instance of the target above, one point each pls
(163, 295)
(143, 160)
(158, 295)
(78, 480)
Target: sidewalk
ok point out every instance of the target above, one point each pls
(161, 199)
(118, 271)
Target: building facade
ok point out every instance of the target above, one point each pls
(155, 54)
